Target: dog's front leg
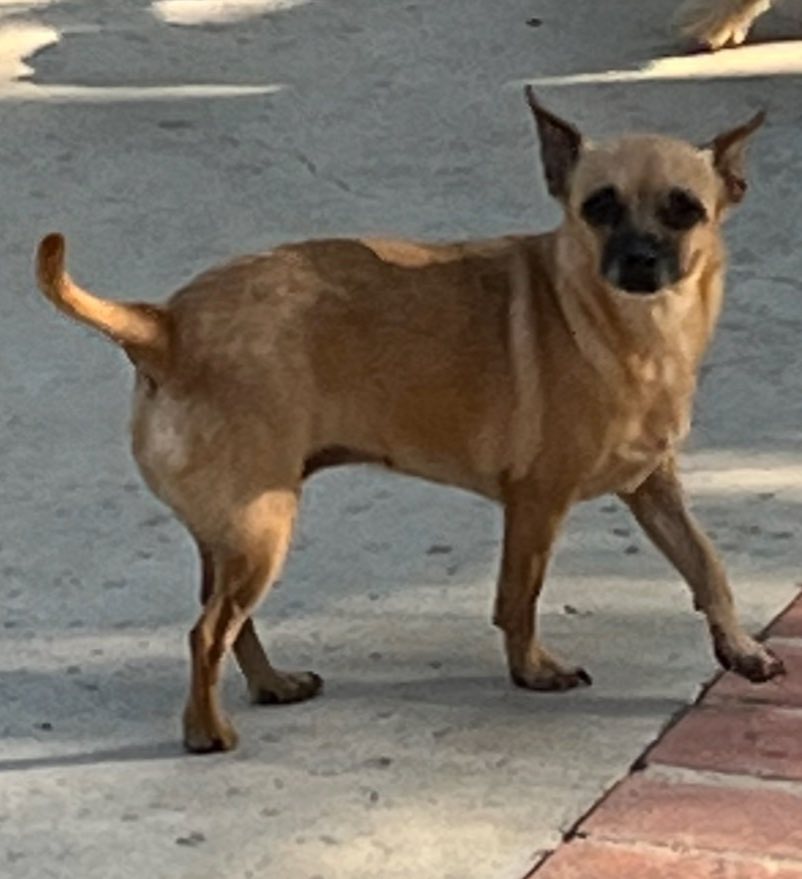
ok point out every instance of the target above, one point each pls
(659, 506)
(531, 523)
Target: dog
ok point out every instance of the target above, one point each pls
(535, 370)
(716, 24)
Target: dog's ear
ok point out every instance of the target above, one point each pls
(560, 145)
(729, 156)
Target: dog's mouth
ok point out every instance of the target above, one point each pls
(640, 264)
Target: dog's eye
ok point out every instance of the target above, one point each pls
(681, 210)
(603, 208)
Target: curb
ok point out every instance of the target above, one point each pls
(719, 794)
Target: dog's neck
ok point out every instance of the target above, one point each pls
(614, 329)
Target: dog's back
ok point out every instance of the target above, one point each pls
(357, 342)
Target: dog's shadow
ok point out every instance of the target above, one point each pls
(477, 693)
(133, 753)
(459, 703)
(518, 708)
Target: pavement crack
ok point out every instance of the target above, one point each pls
(313, 169)
(306, 162)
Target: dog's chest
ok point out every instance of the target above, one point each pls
(647, 420)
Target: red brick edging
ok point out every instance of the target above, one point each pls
(718, 796)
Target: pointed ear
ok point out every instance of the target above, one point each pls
(729, 156)
(560, 146)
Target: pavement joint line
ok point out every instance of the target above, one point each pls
(635, 844)
(784, 641)
(640, 847)
(732, 703)
(750, 787)
(726, 780)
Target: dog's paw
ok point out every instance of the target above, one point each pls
(551, 678)
(748, 658)
(208, 738)
(711, 41)
(717, 24)
(284, 688)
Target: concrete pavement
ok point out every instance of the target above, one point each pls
(161, 138)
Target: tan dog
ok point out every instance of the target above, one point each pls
(535, 370)
(716, 24)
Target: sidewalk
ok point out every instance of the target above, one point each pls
(163, 137)
(719, 795)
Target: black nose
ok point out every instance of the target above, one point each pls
(640, 256)
(636, 260)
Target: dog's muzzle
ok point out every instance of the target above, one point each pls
(639, 262)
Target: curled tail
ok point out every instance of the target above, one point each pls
(142, 330)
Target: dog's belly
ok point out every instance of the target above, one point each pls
(453, 473)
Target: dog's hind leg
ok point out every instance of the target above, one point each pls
(714, 24)
(244, 566)
(266, 685)
(531, 523)
(659, 506)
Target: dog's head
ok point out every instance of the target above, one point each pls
(644, 206)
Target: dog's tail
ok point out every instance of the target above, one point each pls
(142, 330)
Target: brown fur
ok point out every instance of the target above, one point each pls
(509, 367)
